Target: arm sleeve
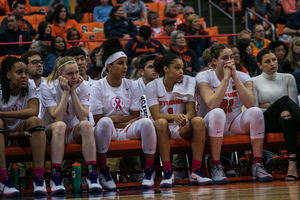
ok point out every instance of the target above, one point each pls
(273, 6)
(151, 94)
(28, 38)
(292, 88)
(132, 28)
(128, 50)
(296, 75)
(162, 49)
(135, 98)
(261, 8)
(3, 25)
(202, 77)
(96, 100)
(287, 8)
(143, 6)
(110, 30)
(96, 14)
(125, 7)
(48, 67)
(47, 98)
(288, 24)
(32, 91)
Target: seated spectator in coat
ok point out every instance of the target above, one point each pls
(73, 34)
(198, 45)
(180, 48)
(101, 12)
(180, 6)
(170, 11)
(141, 44)
(87, 56)
(57, 48)
(259, 40)
(292, 60)
(96, 59)
(237, 59)
(14, 34)
(153, 21)
(243, 34)
(187, 11)
(245, 47)
(281, 51)
(206, 57)
(169, 27)
(40, 47)
(10, 6)
(289, 7)
(293, 24)
(267, 7)
(19, 12)
(91, 5)
(135, 10)
(61, 22)
(248, 4)
(44, 31)
(118, 25)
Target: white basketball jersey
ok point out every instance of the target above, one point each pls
(168, 102)
(17, 103)
(119, 101)
(231, 103)
(51, 94)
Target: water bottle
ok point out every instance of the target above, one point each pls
(276, 159)
(15, 176)
(76, 177)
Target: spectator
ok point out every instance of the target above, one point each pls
(87, 56)
(96, 59)
(169, 27)
(267, 7)
(259, 40)
(44, 31)
(61, 22)
(14, 34)
(293, 24)
(206, 57)
(10, 6)
(289, 7)
(280, 50)
(180, 6)
(118, 25)
(19, 11)
(91, 5)
(187, 11)
(135, 10)
(57, 48)
(101, 12)
(73, 34)
(293, 57)
(198, 45)
(237, 59)
(136, 71)
(180, 48)
(245, 47)
(78, 54)
(248, 4)
(141, 44)
(243, 34)
(40, 47)
(170, 11)
(153, 20)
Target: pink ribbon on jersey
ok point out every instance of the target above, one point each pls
(118, 102)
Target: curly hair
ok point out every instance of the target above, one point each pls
(162, 61)
(111, 46)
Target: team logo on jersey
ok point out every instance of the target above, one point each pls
(117, 103)
(69, 109)
(88, 96)
(16, 107)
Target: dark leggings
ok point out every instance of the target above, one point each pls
(274, 123)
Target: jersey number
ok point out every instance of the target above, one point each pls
(170, 111)
(225, 106)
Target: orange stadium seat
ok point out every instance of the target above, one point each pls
(87, 18)
(93, 36)
(138, 24)
(88, 27)
(202, 22)
(218, 40)
(40, 18)
(2, 17)
(280, 29)
(161, 7)
(40, 9)
(152, 6)
(35, 26)
(31, 19)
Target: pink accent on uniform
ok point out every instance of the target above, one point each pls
(167, 165)
(149, 163)
(55, 165)
(101, 161)
(196, 164)
(3, 173)
(90, 163)
(257, 160)
(216, 162)
(39, 171)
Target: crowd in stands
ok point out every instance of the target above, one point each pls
(67, 72)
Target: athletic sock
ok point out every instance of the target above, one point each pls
(101, 162)
(257, 160)
(56, 167)
(3, 173)
(216, 162)
(39, 171)
(196, 164)
(149, 163)
(167, 165)
(90, 166)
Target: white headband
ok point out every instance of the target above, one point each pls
(73, 61)
(112, 59)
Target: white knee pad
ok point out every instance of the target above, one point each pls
(215, 122)
(255, 117)
(103, 134)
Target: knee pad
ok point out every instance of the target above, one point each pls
(37, 128)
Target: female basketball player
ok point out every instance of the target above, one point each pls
(65, 110)
(19, 110)
(115, 104)
(222, 92)
(171, 100)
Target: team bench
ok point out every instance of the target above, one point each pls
(129, 148)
